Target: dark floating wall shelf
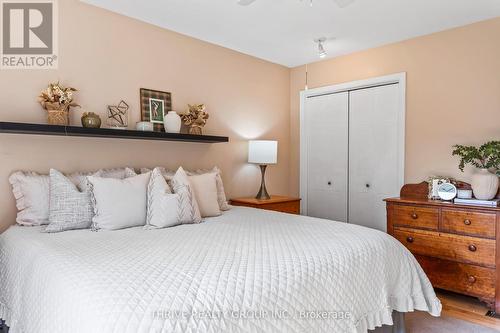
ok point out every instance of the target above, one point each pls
(43, 129)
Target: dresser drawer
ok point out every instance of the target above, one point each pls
(469, 223)
(461, 278)
(457, 248)
(416, 217)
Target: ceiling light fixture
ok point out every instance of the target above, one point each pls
(321, 49)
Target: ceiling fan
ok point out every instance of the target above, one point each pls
(340, 3)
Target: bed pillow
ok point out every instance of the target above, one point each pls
(118, 173)
(221, 194)
(119, 203)
(189, 212)
(70, 205)
(205, 191)
(31, 191)
(163, 205)
(167, 174)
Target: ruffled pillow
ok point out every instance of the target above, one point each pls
(32, 192)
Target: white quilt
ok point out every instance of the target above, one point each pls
(245, 271)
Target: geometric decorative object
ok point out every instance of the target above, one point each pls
(118, 115)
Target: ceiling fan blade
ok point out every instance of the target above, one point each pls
(245, 2)
(344, 3)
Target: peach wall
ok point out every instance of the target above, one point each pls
(108, 57)
(453, 94)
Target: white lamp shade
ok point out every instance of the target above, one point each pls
(263, 152)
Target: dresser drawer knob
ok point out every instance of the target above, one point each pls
(414, 216)
(410, 239)
(472, 279)
(472, 248)
(467, 222)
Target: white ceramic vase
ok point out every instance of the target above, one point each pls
(484, 184)
(172, 122)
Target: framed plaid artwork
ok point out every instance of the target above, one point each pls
(154, 106)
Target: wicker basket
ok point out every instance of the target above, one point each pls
(58, 117)
(196, 130)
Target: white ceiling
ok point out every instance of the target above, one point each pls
(282, 31)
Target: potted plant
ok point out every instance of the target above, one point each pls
(57, 100)
(487, 159)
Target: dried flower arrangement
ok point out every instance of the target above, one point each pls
(195, 118)
(57, 100)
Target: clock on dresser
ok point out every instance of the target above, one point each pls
(456, 245)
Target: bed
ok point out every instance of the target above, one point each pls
(248, 270)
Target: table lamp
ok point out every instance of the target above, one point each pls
(263, 153)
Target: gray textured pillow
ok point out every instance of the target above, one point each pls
(70, 208)
(118, 173)
(189, 212)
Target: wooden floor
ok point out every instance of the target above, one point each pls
(468, 309)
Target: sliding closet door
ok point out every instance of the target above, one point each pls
(375, 167)
(326, 154)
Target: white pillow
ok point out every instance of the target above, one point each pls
(221, 194)
(70, 208)
(119, 203)
(31, 191)
(205, 191)
(189, 212)
(163, 205)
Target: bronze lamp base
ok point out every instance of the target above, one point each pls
(263, 195)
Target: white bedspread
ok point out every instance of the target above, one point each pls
(246, 271)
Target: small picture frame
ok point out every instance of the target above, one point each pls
(155, 105)
(157, 110)
(434, 183)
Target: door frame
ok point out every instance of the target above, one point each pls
(399, 78)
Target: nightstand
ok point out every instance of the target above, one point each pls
(276, 203)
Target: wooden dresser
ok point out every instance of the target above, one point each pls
(277, 203)
(456, 245)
